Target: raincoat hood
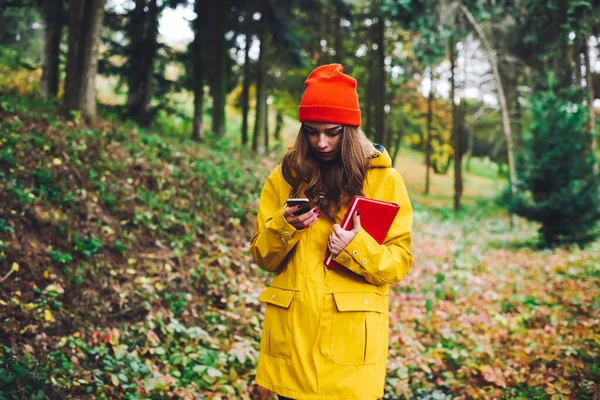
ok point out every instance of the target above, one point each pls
(380, 158)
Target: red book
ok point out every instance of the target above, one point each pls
(376, 218)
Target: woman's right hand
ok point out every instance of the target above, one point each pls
(303, 221)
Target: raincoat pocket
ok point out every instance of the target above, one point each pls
(357, 329)
(277, 337)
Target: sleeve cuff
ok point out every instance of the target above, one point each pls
(356, 255)
(284, 229)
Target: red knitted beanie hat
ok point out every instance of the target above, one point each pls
(330, 96)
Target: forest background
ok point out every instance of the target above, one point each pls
(131, 165)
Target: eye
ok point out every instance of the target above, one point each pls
(307, 129)
(335, 132)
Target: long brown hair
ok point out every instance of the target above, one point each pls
(330, 185)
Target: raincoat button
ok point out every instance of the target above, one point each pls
(364, 261)
(366, 301)
(355, 252)
(287, 234)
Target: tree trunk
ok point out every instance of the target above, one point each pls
(471, 143)
(428, 137)
(143, 31)
(518, 121)
(267, 123)
(258, 140)
(563, 69)
(455, 129)
(591, 97)
(380, 136)
(220, 88)
(397, 146)
(370, 99)
(198, 47)
(323, 57)
(246, 89)
(136, 24)
(53, 17)
(469, 151)
(278, 124)
(147, 70)
(339, 39)
(85, 21)
(501, 97)
(577, 48)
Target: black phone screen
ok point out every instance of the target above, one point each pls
(305, 203)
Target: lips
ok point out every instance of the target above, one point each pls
(324, 153)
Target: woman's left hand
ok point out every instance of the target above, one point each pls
(340, 238)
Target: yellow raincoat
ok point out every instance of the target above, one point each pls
(325, 332)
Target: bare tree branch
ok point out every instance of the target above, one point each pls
(501, 97)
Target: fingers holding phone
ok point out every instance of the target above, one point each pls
(300, 213)
(302, 221)
(302, 205)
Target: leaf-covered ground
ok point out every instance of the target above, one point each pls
(481, 315)
(125, 273)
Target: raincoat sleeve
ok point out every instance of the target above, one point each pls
(273, 236)
(389, 262)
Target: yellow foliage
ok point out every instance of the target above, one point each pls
(48, 317)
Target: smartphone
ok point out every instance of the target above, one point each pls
(300, 201)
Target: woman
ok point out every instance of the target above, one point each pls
(325, 332)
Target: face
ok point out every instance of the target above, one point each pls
(325, 139)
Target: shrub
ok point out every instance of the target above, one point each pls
(559, 188)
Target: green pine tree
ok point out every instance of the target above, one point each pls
(559, 187)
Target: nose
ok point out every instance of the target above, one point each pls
(322, 143)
